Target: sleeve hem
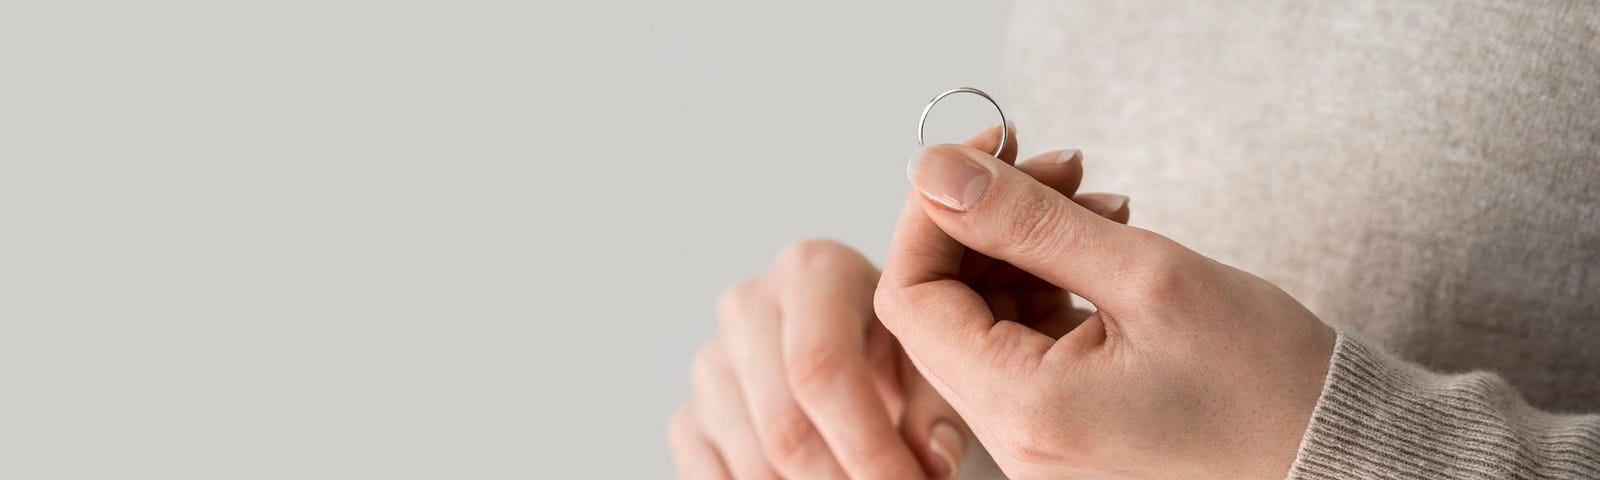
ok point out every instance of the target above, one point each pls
(1381, 417)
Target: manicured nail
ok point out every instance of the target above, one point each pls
(1068, 155)
(948, 178)
(949, 444)
(1116, 203)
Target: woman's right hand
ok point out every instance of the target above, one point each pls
(802, 381)
(1189, 368)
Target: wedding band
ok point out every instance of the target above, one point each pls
(1004, 129)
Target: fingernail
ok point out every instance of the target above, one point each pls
(949, 444)
(948, 178)
(1068, 155)
(1116, 203)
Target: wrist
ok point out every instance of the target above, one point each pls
(1299, 394)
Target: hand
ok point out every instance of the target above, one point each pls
(802, 381)
(1189, 368)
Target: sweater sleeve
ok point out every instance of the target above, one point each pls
(1382, 417)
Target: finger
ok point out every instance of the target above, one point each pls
(883, 355)
(1003, 213)
(931, 426)
(1111, 206)
(692, 453)
(749, 313)
(945, 326)
(1064, 175)
(721, 412)
(986, 140)
(1061, 170)
(1048, 308)
(825, 312)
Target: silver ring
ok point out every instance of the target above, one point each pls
(1004, 129)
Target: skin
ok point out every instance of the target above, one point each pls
(803, 381)
(1188, 369)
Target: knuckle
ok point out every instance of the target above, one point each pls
(817, 254)
(1035, 224)
(785, 434)
(1010, 351)
(680, 426)
(703, 369)
(1165, 270)
(810, 369)
(736, 298)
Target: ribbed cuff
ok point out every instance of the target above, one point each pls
(1381, 417)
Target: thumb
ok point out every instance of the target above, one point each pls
(994, 208)
(930, 425)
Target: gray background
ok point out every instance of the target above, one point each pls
(382, 239)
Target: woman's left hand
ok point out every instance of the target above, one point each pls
(1189, 368)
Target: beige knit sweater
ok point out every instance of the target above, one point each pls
(1424, 175)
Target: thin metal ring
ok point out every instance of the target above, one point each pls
(1004, 129)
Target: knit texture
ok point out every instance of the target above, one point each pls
(1380, 417)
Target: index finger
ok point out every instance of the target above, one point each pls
(941, 321)
(985, 141)
(826, 310)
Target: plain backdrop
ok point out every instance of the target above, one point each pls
(401, 239)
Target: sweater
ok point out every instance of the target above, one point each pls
(1424, 176)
